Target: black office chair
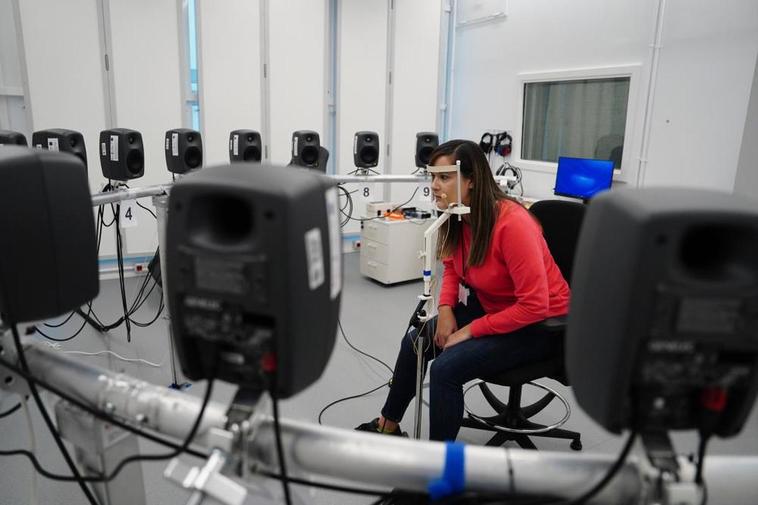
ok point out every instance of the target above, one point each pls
(561, 221)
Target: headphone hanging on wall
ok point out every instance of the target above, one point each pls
(499, 143)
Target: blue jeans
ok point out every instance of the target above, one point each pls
(451, 369)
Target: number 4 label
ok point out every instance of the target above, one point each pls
(127, 215)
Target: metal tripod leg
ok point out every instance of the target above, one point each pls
(419, 384)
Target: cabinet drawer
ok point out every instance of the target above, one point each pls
(374, 269)
(377, 232)
(375, 251)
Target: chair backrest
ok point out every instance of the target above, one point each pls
(561, 221)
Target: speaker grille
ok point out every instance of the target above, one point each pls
(135, 162)
(309, 154)
(193, 158)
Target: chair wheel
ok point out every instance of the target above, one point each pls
(576, 445)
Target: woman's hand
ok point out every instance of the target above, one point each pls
(458, 337)
(446, 325)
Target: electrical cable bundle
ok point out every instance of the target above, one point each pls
(128, 309)
(516, 171)
(348, 205)
(348, 216)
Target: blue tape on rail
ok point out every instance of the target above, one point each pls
(453, 479)
(427, 272)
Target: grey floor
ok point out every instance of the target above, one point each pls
(374, 319)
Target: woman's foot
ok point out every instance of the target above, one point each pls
(374, 426)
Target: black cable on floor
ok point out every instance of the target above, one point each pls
(131, 459)
(98, 414)
(335, 402)
(65, 339)
(344, 336)
(58, 325)
(53, 431)
(121, 279)
(10, 411)
(278, 437)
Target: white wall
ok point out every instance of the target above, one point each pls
(415, 82)
(145, 69)
(706, 72)
(62, 53)
(12, 108)
(146, 78)
(68, 83)
(704, 76)
(297, 31)
(143, 89)
(361, 101)
(10, 69)
(230, 72)
(746, 180)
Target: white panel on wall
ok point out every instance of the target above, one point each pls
(12, 107)
(146, 81)
(701, 98)
(361, 101)
(230, 72)
(62, 53)
(10, 69)
(746, 181)
(539, 36)
(297, 53)
(415, 82)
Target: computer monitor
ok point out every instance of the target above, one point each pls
(582, 177)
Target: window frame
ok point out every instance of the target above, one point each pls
(627, 171)
(190, 98)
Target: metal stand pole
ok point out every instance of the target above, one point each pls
(101, 446)
(419, 385)
(418, 315)
(161, 212)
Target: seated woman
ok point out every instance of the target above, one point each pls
(499, 280)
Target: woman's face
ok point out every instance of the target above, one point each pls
(445, 185)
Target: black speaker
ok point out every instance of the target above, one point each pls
(245, 145)
(48, 261)
(184, 150)
(122, 156)
(8, 137)
(307, 151)
(366, 149)
(426, 142)
(663, 324)
(245, 251)
(60, 139)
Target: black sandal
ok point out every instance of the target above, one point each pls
(373, 427)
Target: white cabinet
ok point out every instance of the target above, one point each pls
(390, 249)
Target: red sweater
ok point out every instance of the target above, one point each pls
(517, 284)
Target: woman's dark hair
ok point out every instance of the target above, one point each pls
(485, 198)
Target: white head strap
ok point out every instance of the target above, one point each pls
(442, 168)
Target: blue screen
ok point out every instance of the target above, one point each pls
(582, 178)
